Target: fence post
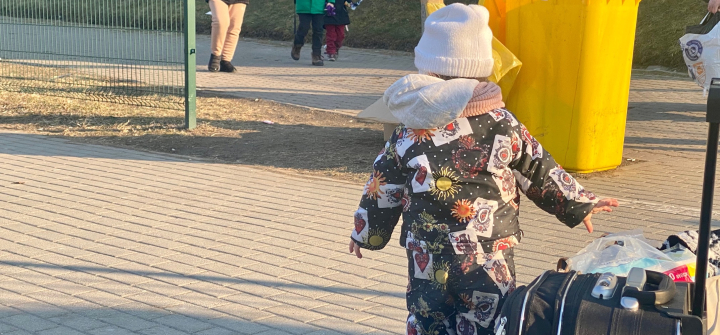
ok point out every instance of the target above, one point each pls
(423, 14)
(190, 64)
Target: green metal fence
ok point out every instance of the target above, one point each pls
(139, 52)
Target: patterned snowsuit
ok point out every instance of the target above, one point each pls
(456, 188)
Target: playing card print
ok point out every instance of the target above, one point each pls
(423, 264)
(404, 142)
(415, 244)
(484, 307)
(406, 202)
(361, 224)
(459, 184)
(412, 326)
(463, 326)
(534, 149)
(390, 195)
(423, 177)
(452, 131)
(506, 183)
(502, 154)
(505, 243)
(567, 184)
(484, 219)
(501, 113)
(464, 242)
(586, 196)
(497, 269)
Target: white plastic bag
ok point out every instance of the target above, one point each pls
(618, 253)
(701, 51)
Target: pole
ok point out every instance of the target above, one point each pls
(190, 65)
(423, 14)
(705, 218)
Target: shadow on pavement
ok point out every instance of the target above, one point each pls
(221, 280)
(668, 111)
(293, 146)
(120, 320)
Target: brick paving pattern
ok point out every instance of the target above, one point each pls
(101, 240)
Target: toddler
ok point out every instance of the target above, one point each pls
(454, 171)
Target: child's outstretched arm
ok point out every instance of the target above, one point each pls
(551, 188)
(380, 206)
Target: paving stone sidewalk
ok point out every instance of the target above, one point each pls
(100, 240)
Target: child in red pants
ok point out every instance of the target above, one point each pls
(335, 28)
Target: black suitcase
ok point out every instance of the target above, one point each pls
(598, 304)
(590, 304)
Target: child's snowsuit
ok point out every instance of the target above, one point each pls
(457, 187)
(335, 27)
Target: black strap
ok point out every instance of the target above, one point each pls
(705, 26)
(559, 298)
(532, 289)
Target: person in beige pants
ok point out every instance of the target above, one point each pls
(227, 19)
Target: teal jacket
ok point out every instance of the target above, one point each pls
(311, 6)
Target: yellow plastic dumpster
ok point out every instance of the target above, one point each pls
(572, 93)
(497, 11)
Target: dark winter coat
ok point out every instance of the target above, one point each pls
(341, 14)
(457, 187)
(311, 6)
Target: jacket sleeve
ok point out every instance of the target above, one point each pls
(548, 185)
(380, 206)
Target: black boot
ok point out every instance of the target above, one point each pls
(295, 53)
(226, 66)
(317, 60)
(214, 65)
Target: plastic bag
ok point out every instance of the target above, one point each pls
(701, 50)
(682, 267)
(618, 253)
(506, 67)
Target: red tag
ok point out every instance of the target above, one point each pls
(680, 274)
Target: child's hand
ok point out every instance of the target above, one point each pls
(348, 5)
(604, 205)
(355, 248)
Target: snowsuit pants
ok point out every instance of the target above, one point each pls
(457, 294)
(317, 21)
(335, 37)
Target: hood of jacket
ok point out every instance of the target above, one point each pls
(423, 102)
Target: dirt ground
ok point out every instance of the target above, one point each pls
(230, 130)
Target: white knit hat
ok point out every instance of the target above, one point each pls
(457, 42)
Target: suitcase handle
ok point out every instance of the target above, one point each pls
(665, 292)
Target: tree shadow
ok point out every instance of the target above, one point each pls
(666, 111)
(120, 320)
(294, 146)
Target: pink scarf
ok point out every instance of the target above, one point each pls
(486, 97)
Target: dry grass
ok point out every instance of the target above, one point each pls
(229, 130)
(660, 25)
